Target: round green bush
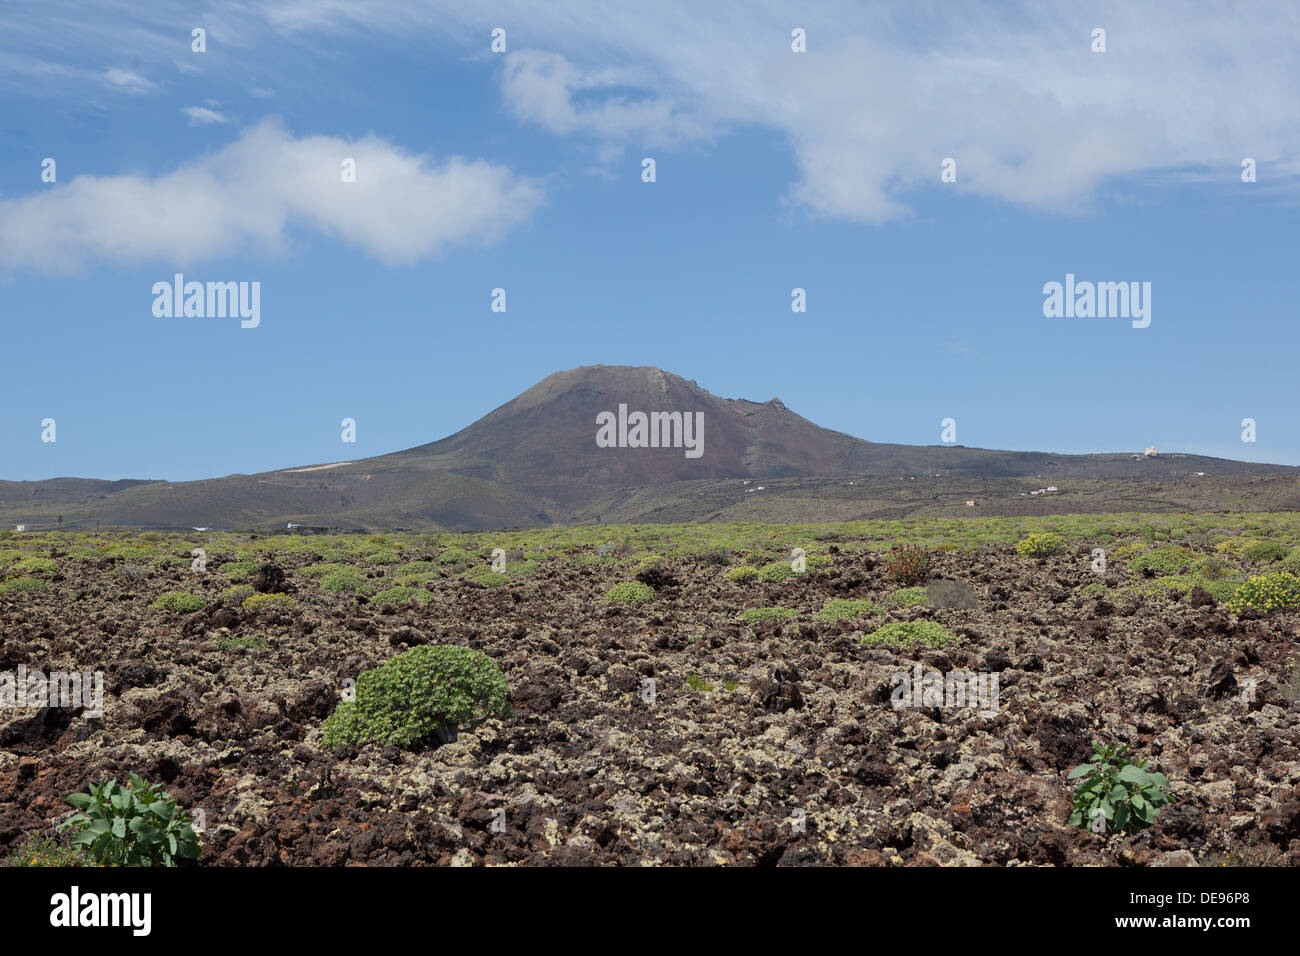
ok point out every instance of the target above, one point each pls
(1170, 559)
(906, 633)
(401, 595)
(1040, 545)
(36, 566)
(907, 597)
(342, 579)
(238, 571)
(776, 571)
(839, 609)
(18, 585)
(630, 592)
(743, 574)
(258, 601)
(1267, 592)
(180, 602)
(429, 693)
(1261, 551)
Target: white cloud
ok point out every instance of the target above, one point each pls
(250, 195)
(1011, 90)
(130, 82)
(202, 116)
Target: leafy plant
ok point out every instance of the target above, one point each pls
(36, 566)
(244, 641)
(907, 597)
(18, 585)
(136, 825)
(696, 682)
(906, 633)
(629, 592)
(743, 574)
(43, 851)
(776, 571)
(238, 571)
(908, 564)
(258, 601)
(179, 601)
(1261, 551)
(1170, 559)
(237, 593)
(342, 579)
(838, 609)
(429, 692)
(1267, 592)
(1040, 545)
(401, 595)
(1118, 788)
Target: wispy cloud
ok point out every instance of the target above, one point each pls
(251, 194)
(128, 81)
(1011, 90)
(202, 116)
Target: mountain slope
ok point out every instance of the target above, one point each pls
(535, 460)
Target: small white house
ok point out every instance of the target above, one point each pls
(21, 527)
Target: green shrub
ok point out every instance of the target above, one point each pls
(458, 556)
(136, 825)
(401, 595)
(19, 585)
(343, 579)
(696, 682)
(906, 633)
(1212, 567)
(717, 556)
(743, 574)
(238, 571)
(1115, 787)
(630, 592)
(36, 566)
(1170, 559)
(180, 602)
(428, 693)
(756, 614)
(907, 597)
(385, 557)
(1040, 545)
(839, 609)
(1291, 562)
(908, 564)
(1261, 551)
(244, 642)
(259, 601)
(1266, 592)
(42, 851)
(1095, 589)
(776, 571)
(237, 593)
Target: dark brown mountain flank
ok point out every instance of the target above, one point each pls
(536, 460)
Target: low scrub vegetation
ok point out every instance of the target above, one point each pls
(428, 694)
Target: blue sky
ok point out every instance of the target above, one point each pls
(522, 170)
